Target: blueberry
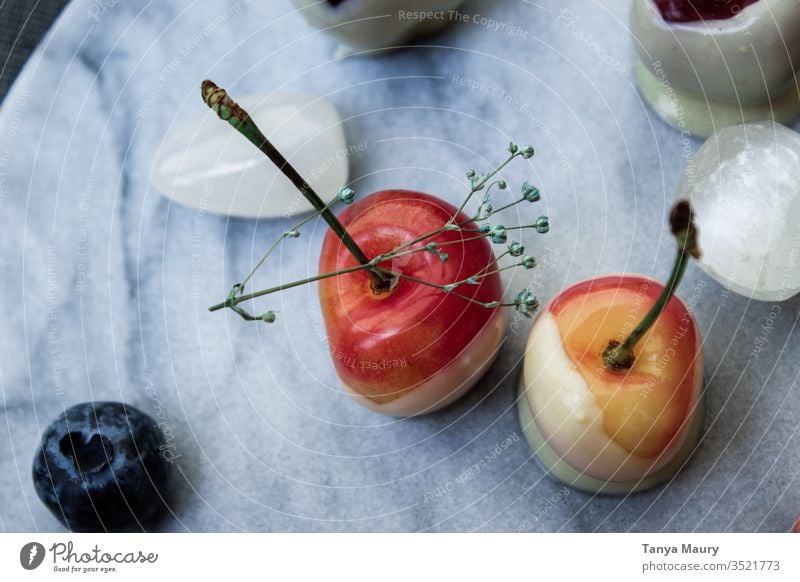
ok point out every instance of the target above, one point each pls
(99, 468)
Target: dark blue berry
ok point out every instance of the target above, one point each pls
(100, 467)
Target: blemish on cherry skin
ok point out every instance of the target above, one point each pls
(699, 10)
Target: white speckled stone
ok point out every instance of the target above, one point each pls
(104, 283)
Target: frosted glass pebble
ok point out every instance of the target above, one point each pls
(204, 163)
(744, 184)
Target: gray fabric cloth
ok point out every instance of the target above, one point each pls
(22, 25)
(105, 284)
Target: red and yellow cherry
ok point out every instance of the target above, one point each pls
(797, 525)
(413, 349)
(697, 10)
(409, 287)
(600, 419)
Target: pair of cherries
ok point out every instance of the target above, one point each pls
(611, 392)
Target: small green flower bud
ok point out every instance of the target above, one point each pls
(530, 192)
(499, 234)
(526, 303)
(543, 225)
(347, 195)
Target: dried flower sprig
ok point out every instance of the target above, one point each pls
(383, 280)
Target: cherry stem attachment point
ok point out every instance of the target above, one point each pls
(228, 110)
(620, 356)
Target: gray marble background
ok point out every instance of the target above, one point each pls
(104, 283)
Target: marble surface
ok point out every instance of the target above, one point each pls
(105, 284)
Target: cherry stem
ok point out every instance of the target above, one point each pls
(228, 110)
(489, 305)
(525, 302)
(478, 185)
(291, 233)
(235, 300)
(619, 356)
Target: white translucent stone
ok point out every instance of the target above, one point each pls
(744, 184)
(205, 163)
(365, 25)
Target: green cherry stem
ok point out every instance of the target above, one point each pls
(489, 305)
(382, 279)
(507, 206)
(619, 356)
(228, 110)
(232, 301)
(291, 233)
(478, 186)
